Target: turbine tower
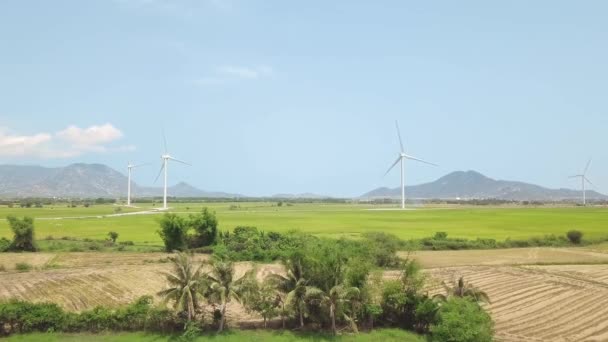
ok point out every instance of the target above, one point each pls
(584, 180)
(401, 159)
(129, 168)
(165, 162)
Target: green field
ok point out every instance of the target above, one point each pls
(332, 220)
(388, 335)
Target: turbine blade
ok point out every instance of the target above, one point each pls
(588, 181)
(420, 160)
(575, 176)
(392, 166)
(399, 135)
(162, 167)
(587, 167)
(139, 165)
(180, 161)
(165, 141)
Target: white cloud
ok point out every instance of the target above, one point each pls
(70, 142)
(90, 136)
(17, 145)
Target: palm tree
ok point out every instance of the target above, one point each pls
(222, 288)
(463, 289)
(293, 285)
(186, 284)
(333, 299)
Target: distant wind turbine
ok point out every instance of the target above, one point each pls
(165, 162)
(129, 168)
(401, 159)
(584, 180)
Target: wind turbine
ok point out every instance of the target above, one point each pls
(129, 168)
(401, 159)
(584, 180)
(165, 162)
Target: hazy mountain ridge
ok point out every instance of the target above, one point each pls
(83, 181)
(474, 185)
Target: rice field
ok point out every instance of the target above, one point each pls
(331, 220)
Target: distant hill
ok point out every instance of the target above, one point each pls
(83, 181)
(474, 185)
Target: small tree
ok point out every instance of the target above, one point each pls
(185, 285)
(113, 236)
(264, 300)
(463, 289)
(293, 286)
(205, 227)
(172, 231)
(575, 236)
(223, 288)
(461, 319)
(23, 234)
(333, 299)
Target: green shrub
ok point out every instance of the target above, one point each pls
(23, 267)
(440, 235)
(204, 225)
(113, 236)
(94, 247)
(25, 317)
(126, 243)
(173, 230)
(575, 236)
(462, 320)
(5, 245)
(23, 234)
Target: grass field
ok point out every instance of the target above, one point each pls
(331, 220)
(230, 336)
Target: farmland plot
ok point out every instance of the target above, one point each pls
(528, 302)
(542, 303)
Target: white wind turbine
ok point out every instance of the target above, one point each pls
(165, 162)
(129, 168)
(584, 180)
(401, 159)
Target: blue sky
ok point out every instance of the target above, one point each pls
(281, 96)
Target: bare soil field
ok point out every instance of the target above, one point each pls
(532, 302)
(542, 303)
(514, 256)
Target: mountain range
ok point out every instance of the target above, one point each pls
(474, 185)
(83, 181)
(98, 180)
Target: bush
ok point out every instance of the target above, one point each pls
(5, 245)
(25, 317)
(23, 267)
(460, 319)
(205, 228)
(23, 234)
(113, 236)
(127, 243)
(575, 236)
(173, 231)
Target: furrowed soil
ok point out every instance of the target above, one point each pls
(531, 299)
